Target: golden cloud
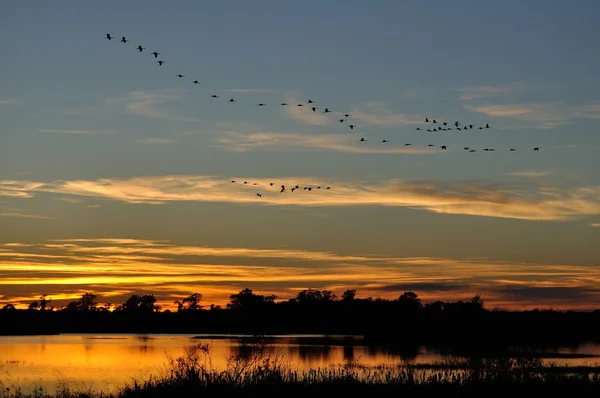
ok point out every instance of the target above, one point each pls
(118, 267)
(517, 201)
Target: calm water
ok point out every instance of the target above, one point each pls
(106, 362)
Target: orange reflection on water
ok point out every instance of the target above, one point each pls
(106, 362)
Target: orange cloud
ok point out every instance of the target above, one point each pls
(518, 201)
(115, 268)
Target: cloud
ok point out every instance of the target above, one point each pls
(377, 114)
(155, 140)
(18, 188)
(117, 267)
(148, 104)
(478, 92)
(68, 199)
(79, 132)
(9, 101)
(530, 173)
(374, 113)
(597, 225)
(524, 201)
(20, 214)
(247, 90)
(348, 143)
(305, 114)
(547, 115)
(542, 293)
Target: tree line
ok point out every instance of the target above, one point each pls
(405, 319)
(245, 299)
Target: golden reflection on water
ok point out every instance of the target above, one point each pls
(106, 362)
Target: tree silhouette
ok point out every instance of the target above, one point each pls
(349, 295)
(313, 295)
(87, 302)
(43, 302)
(191, 303)
(247, 299)
(144, 304)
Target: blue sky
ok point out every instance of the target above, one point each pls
(99, 142)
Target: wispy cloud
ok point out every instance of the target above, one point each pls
(479, 92)
(305, 114)
(378, 114)
(9, 101)
(596, 225)
(242, 142)
(18, 188)
(547, 115)
(21, 214)
(68, 199)
(519, 201)
(530, 173)
(155, 140)
(117, 267)
(247, 90)
(373, 113)
(79, 132)
(150, 104)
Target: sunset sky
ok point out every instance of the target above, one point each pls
(115, 174)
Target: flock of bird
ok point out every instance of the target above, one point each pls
(283, 188)
(432, 125)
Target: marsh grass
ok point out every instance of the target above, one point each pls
(254, 370)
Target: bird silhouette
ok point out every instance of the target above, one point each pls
(140, 48)
(160, 63)
(108, 36)
(124, 40)
(156, 54)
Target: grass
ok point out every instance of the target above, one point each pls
(255, 372)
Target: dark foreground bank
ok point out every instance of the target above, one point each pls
(254, 373)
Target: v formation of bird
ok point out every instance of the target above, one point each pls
(432, 125)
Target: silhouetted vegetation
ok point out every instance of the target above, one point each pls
(405, 320)
(252, 371)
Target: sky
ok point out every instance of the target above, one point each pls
(115, 174)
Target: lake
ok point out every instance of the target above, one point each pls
(104, 362)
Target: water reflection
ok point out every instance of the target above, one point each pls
(106, 362)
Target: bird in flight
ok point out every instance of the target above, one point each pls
(124, 40)
(140, 48)
(160, 63)
(156, 54)
(108, 36)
